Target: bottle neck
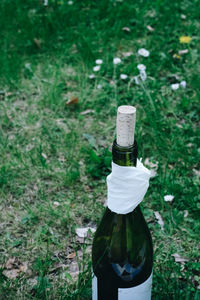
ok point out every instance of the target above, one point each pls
(124, 156)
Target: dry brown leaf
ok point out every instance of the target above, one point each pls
(73, 100)
(24, 267)
(11, 274)
(71, 255)
(10, 263)
(179, 258)
(159, 219)
(87, 111)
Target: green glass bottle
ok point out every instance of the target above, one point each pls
(122, 252)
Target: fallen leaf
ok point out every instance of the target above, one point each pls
(74, 270)
(153, 167)
(87, 111)
(179, 258)
(73, 100)
(159, 219)
(150, 28)
(24, 267)
(83, 231)
(126, 29)
(71, 255)
(127, 54)
(196, 172)
(90, 139)
(44, 155)
(10, 263)
(11, 274)
(149, 163)
(38, 43)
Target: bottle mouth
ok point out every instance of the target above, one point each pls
(122, 149)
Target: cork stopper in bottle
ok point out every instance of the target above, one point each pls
(126, 116)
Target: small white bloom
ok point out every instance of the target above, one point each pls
(175, 86)
(99, 86)
(116, 60)
(96, 68)
(143, 52)
(70, 2)
(45, 2)
(168, 198)
(143, 75)
(99, 61)
(123, 76)
(141, 67)
(183, 84)
(91, 76)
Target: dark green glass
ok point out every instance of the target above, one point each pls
(122, 252)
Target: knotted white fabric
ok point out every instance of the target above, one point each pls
(127, 187)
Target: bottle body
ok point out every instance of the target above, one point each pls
(122, 254)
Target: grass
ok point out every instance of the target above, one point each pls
(54, 159)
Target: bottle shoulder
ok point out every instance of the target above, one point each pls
(122, 247)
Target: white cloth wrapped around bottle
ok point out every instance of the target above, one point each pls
(126, 187)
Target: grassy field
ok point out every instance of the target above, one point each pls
(57, 124)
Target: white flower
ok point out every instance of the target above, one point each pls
(99, 86)
(45, 2)
(168, 198)
(143, 52)
(123, 76)
(141, 67)
(96, 68)
(116, 60)
(175, 86)
(183, 84)
(99, 61)
(70, 2)
(91, 76)
(143, 75)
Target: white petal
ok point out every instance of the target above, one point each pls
(82, 232)
(141, 67)
(175, 86)
(123, 76)
(99, 86)
(70, 2)
(183, 84)
(91, 76)
(143, 52)
(96, 68)
(116, 60)
(159, 219)
(99, 61)
(168, 198)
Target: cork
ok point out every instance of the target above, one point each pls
(126, 116)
